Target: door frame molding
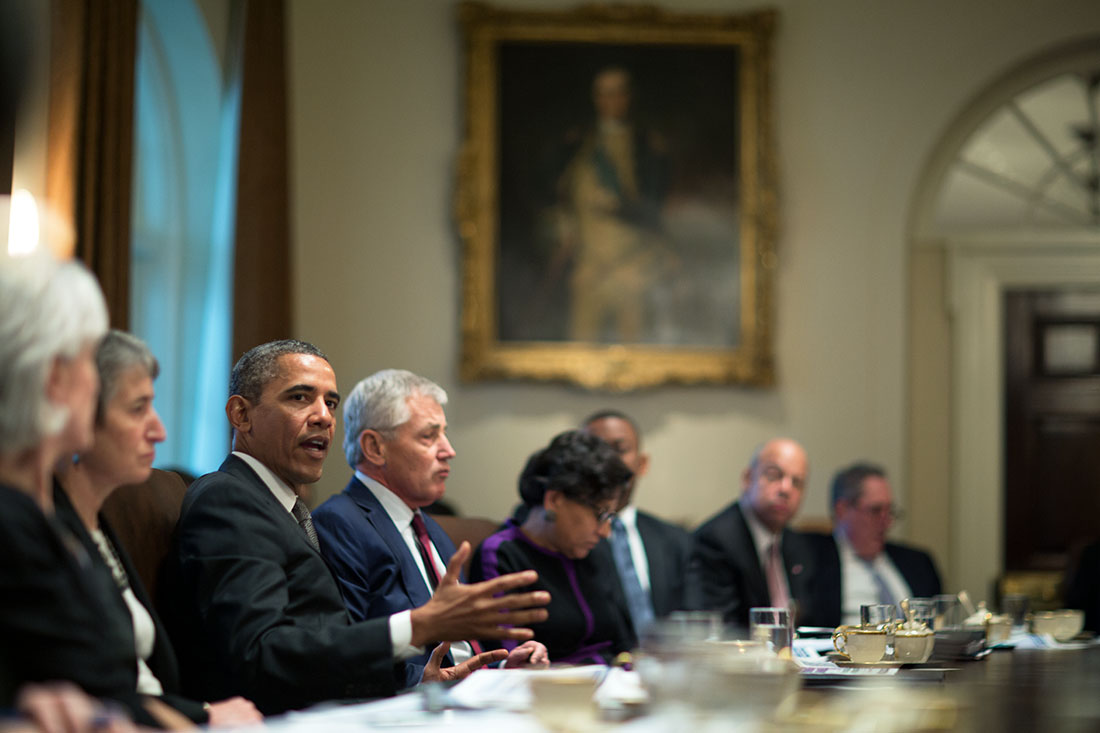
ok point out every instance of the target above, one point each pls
(979, 271)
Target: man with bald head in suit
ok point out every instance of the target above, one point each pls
(745, 556)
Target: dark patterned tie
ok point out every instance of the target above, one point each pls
(641, 608)
(425, 544)
(305, 521)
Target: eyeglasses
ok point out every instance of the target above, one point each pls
(602, 515)
(881, 511)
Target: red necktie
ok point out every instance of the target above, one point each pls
(424, 543)
(777, 589)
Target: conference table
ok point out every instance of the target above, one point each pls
(1020, 689)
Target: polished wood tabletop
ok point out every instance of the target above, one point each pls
(1028, 690)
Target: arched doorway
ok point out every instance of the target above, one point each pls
(1007, 201)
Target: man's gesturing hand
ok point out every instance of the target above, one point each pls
(459, 611)
(434, 673)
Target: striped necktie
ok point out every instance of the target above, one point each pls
(305, 521)
(640, 606)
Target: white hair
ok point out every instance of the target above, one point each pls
(49, 310)
(380, 402)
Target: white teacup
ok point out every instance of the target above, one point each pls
(563, 702)
(1063, 625)
(862, 646)
(998, 629)
(913, 646)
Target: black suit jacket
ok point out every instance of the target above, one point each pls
(827, 584)
(1083, 585)
(725, 573)
(162, 662)
(56, 621)
(254, 610)
(667, 549)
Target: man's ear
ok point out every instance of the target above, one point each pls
(643, 466)
(373, 447)
(237, 409)
(746, 479)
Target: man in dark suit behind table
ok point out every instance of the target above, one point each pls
(856, 565)
(387, 554)
(251, 604)
(745, 556)
(650, 554)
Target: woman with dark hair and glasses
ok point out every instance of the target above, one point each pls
(570, 490)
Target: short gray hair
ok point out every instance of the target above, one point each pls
(380, 402)
(119, 352)
(260, 365)
(48, 310)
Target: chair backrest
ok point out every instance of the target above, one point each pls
(144, 516)
(469, 529)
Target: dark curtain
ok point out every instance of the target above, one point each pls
(91, 121)
(261, 282)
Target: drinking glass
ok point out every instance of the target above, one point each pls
(923, 611)
(774, 627)
(949, 612)
(882, 616)
(1015, 605)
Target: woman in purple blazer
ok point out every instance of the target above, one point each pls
(570, 489)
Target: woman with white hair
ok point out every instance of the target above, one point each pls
(52, 316)
(53, 620)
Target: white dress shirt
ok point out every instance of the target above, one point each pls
(400, 623)
(629, 517)
(145, 632)
(858, 586)
(402, 515)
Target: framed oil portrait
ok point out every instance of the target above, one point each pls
(616, 196)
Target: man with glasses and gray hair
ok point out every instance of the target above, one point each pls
(855, 565)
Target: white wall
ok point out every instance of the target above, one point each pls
(863, 90)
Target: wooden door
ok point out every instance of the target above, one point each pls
(1052, 426)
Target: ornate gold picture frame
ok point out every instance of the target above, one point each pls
(616, 197)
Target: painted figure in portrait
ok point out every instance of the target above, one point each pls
(619, 195)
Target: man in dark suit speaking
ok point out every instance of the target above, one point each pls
(386, 554)
(856, 565)
(250, 602)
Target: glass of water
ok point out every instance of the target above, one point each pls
(774, 627)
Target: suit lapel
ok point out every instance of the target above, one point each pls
(794, 565)
(238, 468)
(656, 560)
(411, 580)
(750, 565)
(439, 538)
